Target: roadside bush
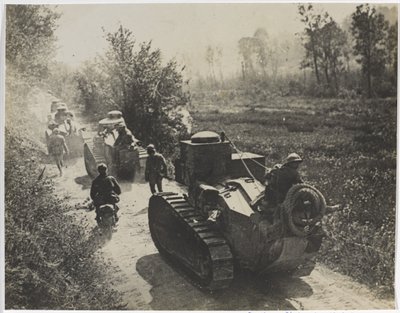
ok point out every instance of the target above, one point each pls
(134, 79)
(49, 261)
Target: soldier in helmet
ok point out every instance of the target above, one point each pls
(124, 140)
(49, 131)
(281, 178)
(60, 116)
(125, 137)
(156, 169)
(105, 190)
(56, 147)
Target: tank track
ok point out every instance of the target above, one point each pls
(211, 267)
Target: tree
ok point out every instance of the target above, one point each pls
(30, 39)
(332, 41)
(148, 92)
(261, 47)
(210, 58)
(313, 23)
(94, 88)
(392, 52)
(213, 58)
(254, 53)
(325, 44)
(246, 50)
(369, 30)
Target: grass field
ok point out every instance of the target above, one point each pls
(349, 151)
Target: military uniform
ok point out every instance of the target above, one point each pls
(281, 179)
(57, 146)
(286, 177)
(59, 117)
(103, 190)
(70, 127)
(156, 168)
(125, 138)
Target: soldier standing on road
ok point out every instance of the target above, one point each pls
(282, 178)
(57, 146)
(156, 169)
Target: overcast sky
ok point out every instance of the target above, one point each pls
(178, 29)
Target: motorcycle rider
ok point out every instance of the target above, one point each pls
(105, 190)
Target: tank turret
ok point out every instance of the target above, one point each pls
(209, 159)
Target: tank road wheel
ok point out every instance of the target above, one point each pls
(184, 238)
(90, 161)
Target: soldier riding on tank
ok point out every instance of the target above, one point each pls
(281, 178)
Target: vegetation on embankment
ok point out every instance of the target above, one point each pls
(50, 260)
(349, 151)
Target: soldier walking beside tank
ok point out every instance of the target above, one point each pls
(57, 147)
(156, 169)
(281, 178)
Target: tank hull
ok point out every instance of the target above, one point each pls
(260, 243)
(123, 163)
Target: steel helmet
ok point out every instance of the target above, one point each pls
(62, 107)
(102, 167)
(151, 147)
(292, 157)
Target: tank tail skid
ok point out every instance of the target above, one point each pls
(187, 240)
(92, 159)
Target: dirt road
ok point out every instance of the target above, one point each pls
(148, 283)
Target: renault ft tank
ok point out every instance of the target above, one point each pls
(125, 163)
(221, 224)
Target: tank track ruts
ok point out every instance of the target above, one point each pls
(214, 265)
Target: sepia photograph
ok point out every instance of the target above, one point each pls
(199, 156)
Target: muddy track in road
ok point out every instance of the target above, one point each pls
(147, 282)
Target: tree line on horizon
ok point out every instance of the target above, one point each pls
(355, 59)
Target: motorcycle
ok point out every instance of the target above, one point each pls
(107, 218)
